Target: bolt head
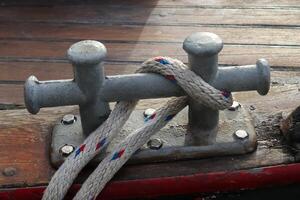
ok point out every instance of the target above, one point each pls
(68, 119)
(9, 171)
(241, 134)
(149, 112)
(155, 143)
(66, 150)
(235, 106)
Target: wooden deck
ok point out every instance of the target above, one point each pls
(35, 35)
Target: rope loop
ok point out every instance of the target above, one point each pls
(173, 70)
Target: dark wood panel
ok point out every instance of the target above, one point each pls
(151, 15)
(71, 32)
(138, 52)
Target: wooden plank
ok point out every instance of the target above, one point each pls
(31, 147)
(20, 71)
(233, 3)
(290, 127)
(283, 95)
(11, 94)
(71, 32)
(27, 136)
(184, 3)
(18, 50)
(150, 15)
(30, 159)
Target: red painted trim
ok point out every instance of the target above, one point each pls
(181, 185)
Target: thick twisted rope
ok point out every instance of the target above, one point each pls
(171, 69)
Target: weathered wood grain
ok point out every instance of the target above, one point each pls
(140, 33)
(11, 94)
(20, 71)
(139, 52)
(142, 15)
(290, 127)
(221, 3)
(172, 3)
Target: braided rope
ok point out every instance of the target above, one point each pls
(173, 70)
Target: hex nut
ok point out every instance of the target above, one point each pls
(66, 150)
(148, 112)
(9, 171)
(68, 119)
(241, 134)
(235, 106)
(155, 143)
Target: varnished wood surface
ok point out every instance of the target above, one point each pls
(34, 37)
(138, 52)
(140, 15)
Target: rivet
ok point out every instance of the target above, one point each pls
(149, 112)
(68, 119)
(155, 143)
(241, 134)
(9, 171)
(66, 150)
(235, 106)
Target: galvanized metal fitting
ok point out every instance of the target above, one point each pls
(86, 57)
(263, 79)
(155, 143)
(202, 49)
(149, 112)
(235, 106)
(9, 171)
(66, 150)
(92, 92)
(68, 119)
(87, 53)
(241, 134)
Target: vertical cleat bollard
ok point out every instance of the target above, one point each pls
(202, 49)
(86, 57)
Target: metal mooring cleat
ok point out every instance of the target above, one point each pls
(92, 91)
